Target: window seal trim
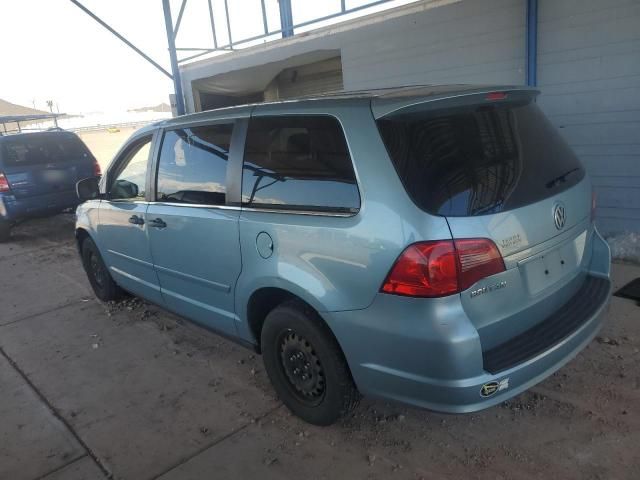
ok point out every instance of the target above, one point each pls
(319, 213)
(125, 200)
(315, 213)
(193, 205)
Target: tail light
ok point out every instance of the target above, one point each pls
(443, 267)
(426, 269)
(4, 183)
(96, 169)
(594, 198)
(477, 258)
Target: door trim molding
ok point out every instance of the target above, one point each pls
(218, 286)
(131, 259)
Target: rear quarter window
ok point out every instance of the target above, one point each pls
(479, 160)
(298, 162)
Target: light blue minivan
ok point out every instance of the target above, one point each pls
(430, 245)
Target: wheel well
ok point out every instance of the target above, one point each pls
(261, 303)
(81, 236)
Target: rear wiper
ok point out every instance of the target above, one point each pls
(561, 178)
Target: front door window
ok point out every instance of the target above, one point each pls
(131, 181)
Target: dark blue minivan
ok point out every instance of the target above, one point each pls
(38, 174)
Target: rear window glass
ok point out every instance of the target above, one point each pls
(298, 163)
(193, 165)
(42, 148)
(480, 159)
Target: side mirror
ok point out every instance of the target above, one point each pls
(123, 189)
(88, 189)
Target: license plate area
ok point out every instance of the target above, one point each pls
(57, 177)
(547, 268)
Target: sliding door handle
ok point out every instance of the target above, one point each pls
(157, 223)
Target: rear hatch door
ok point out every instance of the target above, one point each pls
(44, 162)
(495, 167)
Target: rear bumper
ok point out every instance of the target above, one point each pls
(439, 364)
(12, 208)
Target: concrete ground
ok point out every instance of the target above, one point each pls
(128, 391)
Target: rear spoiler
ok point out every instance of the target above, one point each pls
(418, 100)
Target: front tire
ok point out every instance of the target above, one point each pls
(306, 365)
(99, 277)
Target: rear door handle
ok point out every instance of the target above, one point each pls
(157, 223)
(136, 220)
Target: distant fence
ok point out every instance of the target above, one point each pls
(90, 128)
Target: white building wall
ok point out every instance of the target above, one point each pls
(589, 73)
(468, 42)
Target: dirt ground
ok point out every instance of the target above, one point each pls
(129, 391)
(105, 145)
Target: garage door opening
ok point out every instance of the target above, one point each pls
(288, 79)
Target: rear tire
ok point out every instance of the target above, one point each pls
(5, 231)
(306, 365)
(99, 277)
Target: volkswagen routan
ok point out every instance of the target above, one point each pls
(430, 245)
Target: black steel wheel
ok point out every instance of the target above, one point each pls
(99, 277)
(306, 365)
(302, 368)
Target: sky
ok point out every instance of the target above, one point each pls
(51, 50)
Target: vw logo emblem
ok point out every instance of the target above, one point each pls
(559, 216)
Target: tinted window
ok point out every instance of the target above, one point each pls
(41, 148)
(478, 160)
(131, 181)
(193, 165)
(298, 162)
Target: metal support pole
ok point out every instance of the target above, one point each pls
(179, 20)
(226, 12)
(286, 18)
(177, 83)
(265, 24)
(108, 27)
(213, 25)
(532, 42)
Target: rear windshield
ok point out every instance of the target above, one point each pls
(478, 160)
(42, 148)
